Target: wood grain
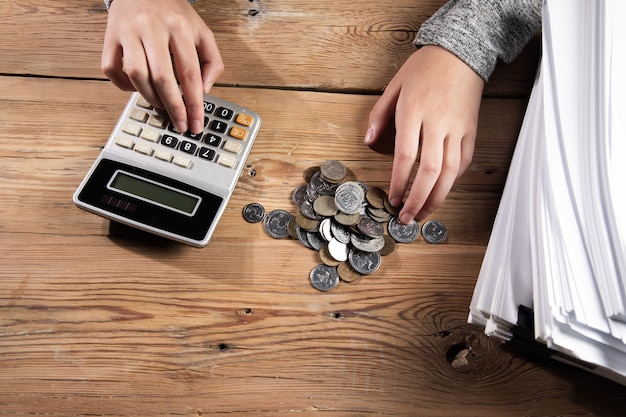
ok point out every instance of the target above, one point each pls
(99, 319)
(330, 46)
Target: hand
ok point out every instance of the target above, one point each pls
(148, 44)
(435, 98)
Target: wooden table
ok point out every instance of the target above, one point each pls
(97, 319)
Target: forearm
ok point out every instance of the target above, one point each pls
(482, 32)
(107, 3)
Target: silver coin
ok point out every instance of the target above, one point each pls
(338, 250)
(340, 232)
(349, 197)
(320, 187)
(367, 244)
(324, 277)
(308, 210)
(253, 212)
(315, 240)
(326, 229)
(364, 262)
(298, 196)
(434, 231)
(276, 223)
(403, 233)
(370, 227)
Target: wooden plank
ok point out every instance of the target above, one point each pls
(332, 46)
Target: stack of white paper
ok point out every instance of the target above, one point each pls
(557, 244)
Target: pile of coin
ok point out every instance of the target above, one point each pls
(344, 221)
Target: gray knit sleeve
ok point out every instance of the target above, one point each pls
(481, 32)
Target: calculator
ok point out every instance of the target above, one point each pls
(171, 184)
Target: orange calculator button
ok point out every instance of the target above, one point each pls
(244, 119)
(238, 133)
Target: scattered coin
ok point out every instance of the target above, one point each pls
(324, 277)
(434, 231)
(347, 273)
(349, 197)
(325, 206)
(333, 171)
(403, 233)
(254, 212)
(376, 197)
(364, 262)
(276, 223)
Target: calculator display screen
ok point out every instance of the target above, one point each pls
(154, 192)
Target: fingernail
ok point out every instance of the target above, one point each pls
(395, 202)
(369, 136)
(196, 126)
(181, 127)
(406, 218)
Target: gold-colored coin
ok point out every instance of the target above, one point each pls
(347, 273)
(348, 219)
(389, 247)
(305, 223)
(326, 257)
(325, 206)
(333, 171)
(394, 211)
(291, 227)
(309, 172)
(376, 197)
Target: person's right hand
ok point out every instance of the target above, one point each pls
(150, 46)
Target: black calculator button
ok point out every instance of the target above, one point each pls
(169, 141)
(212, 140)
(206, 153)
(209, 107)
(218, 126)
(206, 121)
(224, 113)
(188, 147)
(196, 136)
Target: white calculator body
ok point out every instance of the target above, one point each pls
(173, 185)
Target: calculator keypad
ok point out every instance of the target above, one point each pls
(221, 141)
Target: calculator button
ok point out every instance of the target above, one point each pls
(233, 146)
(181, 161)
(163, 155)
(150, 134)
(188, 147)
(196, 136)
(206, 153)
(139, 115)
(212, 139)
(224, 113)
(124, 142)
(218, 126)
(132, 129)
(244, 119)
(169, 141)
(238, 133)
(143, 148)
(157, 120)
(142, 102)
(209, 107)
(227, 160)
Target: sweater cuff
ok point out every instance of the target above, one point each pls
(482, 32)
